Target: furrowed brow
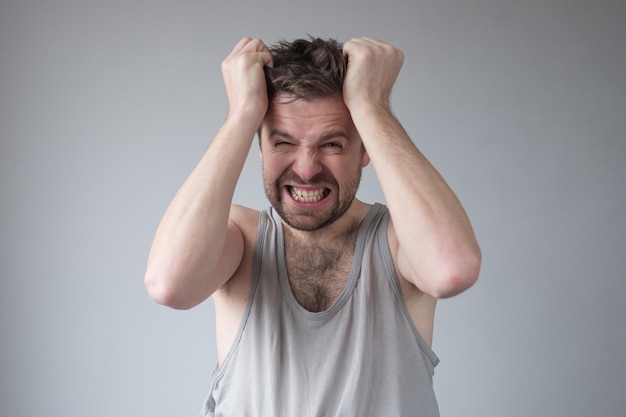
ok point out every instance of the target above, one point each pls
(333, 134)
(276, 133)
(281, 134)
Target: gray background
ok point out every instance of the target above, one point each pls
(106, 106)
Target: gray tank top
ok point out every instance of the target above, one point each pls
(361, 357)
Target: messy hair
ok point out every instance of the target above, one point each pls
(306, 69)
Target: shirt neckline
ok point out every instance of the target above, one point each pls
(355, 270)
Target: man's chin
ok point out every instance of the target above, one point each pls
(305, 222)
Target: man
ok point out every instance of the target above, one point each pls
(324, 303)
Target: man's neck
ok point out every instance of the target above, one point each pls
(337, 230)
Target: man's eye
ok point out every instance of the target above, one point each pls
(332, 145)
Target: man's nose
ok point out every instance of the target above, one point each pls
(307, 165)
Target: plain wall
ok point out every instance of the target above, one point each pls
(105, 106)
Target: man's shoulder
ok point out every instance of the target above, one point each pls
(243, 221)
(244, 217)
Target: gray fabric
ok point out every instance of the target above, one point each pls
(361, 357)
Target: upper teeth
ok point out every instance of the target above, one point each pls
(307, 196)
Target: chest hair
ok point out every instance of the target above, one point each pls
(318, 271)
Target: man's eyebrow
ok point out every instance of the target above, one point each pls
(324, 136)
(333, 134)
(280, 133)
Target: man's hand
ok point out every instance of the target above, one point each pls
(245, 80)
(443, 259)
(373, 67)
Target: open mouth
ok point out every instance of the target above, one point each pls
(308, 195)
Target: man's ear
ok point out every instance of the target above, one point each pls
(365, 160)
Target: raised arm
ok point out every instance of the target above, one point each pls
(198, 245)
(437, 250)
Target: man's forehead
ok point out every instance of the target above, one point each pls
(298, 112)
(321, 135)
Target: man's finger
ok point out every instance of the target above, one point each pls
(241, 44)
(267, 59)
(255, 45)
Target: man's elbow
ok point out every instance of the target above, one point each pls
(163, 291)
(458, 278)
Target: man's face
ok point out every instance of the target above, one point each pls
(312, 160)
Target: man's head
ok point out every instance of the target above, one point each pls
(306, 69)
(311, 151)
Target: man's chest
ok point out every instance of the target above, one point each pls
(318, 275)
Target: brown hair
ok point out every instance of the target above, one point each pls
(306, 69)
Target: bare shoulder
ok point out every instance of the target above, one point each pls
(420, 305)
(245, 221)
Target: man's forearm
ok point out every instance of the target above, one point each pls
(191, 236)
(438, 251)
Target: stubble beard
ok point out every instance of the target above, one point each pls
(316, 219)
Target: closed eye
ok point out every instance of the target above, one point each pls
(332, 145)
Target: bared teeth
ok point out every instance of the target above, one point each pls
(307, 196)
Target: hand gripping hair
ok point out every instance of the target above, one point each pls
(306, 69)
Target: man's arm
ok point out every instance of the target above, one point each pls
(437, 250)
(198, 244)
